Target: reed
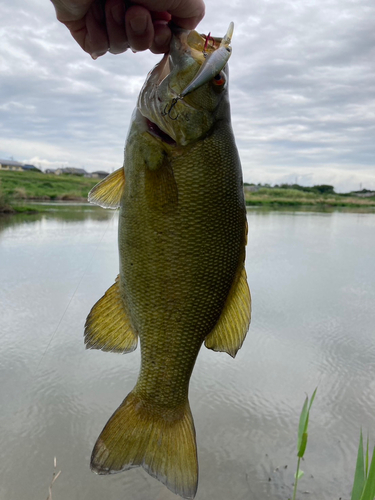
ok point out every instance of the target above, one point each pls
(364, 475)
(302, 438)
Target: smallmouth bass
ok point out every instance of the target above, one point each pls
(182, 237)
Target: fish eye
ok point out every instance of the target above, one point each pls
(219, 81)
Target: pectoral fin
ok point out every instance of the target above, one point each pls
(161, 192)
(108, 326)
(108, 192)
(230, 331)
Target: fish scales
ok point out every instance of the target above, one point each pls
(182, 237)
(177, 270)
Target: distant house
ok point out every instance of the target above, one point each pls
(30, 168)
(50, 171)
(70, 171)
(15, 166)
(364, 193)
(99, 174)
(250, 188)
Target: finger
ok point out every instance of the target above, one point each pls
(162, 37)
(85, 21)
(185, 13)
(139, 28)
(96, 42)
(71, 11)
(115, 22)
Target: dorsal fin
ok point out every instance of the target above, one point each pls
(230, 331)
(108, 192)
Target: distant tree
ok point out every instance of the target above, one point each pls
(324, 189)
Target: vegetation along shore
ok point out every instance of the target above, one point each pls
(294, 195)
(18, 188)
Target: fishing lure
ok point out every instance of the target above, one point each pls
(212, 66)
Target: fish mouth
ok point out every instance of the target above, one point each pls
(164, 84)
(150, 104)
(151, 99)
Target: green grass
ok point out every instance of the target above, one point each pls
(17, 186)
(364, 476)
(302, 436)
(280, 197)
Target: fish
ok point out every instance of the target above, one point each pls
(182, 237)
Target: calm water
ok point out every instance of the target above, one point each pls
(312, 277)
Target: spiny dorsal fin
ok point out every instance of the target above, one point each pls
(108, 192)
(108, 326)
(230, 331)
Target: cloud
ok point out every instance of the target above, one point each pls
(301, 81)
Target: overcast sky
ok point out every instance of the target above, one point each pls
(302, 86)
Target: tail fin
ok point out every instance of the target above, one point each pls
(162, 441)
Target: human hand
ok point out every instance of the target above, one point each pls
(99, 26)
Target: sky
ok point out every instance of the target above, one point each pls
(302, 90)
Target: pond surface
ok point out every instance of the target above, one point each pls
(312, 277)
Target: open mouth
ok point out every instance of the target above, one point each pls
(157, 132)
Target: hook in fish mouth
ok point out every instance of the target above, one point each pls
(212, 65)
(171, 106)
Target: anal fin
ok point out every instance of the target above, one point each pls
(230, 331)
(108, 326)
(108, 192)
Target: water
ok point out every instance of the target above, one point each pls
(312, 281)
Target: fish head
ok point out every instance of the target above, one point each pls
(186, 93)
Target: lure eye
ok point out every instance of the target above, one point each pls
(219, 81)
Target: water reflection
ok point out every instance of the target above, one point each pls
(312, 281)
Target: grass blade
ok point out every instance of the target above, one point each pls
(302, 448)
(303, 418)
(359, 475)
(369, 490)
(312, 398)
(299, 475)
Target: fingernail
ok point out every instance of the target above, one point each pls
(161, 38)
(139, 25)
(95, 55)
(118, 14)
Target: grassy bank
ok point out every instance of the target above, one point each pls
(21, 186)
(280, 197)
(16, 188)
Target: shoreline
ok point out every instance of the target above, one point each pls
(35, 206)
(20, 192)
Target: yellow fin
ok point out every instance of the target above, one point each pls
(230, 331)
(107, 193)
(159, 439)
(107, 326)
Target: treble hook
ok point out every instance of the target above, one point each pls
(206, 44)
(173, 104)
